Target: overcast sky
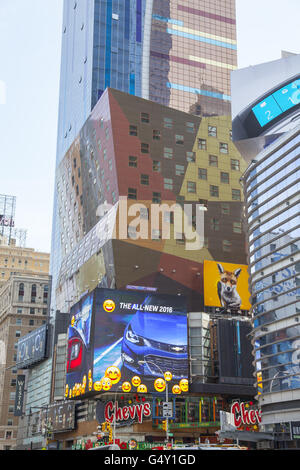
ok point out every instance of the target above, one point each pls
(30, 41)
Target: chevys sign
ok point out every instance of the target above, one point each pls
(241, 415)
(113, 412)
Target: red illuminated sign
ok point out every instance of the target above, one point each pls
(126, 412)
(244, 416)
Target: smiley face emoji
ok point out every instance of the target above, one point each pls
(159, 384)
(106, 383)
(184, 385)
(176, 390)
(136, 381)
(98, 386)
(142, 388)
(109, 305)
(168, 376)
(126, 387)
(113, 373)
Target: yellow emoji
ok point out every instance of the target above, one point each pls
(109, 305)
(168, 376)
(142, 388)
(67, 391)
(126, 387)
(72, 321)
(136, 381)
(113, 373)
(98, 386)
(159, 385)
(106, 383)
(176, 390)
(184, 385)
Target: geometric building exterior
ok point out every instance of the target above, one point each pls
(133, 151)
(176, 54)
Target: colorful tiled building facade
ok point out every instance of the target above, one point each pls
(134, 151)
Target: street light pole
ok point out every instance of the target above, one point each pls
(167, 395)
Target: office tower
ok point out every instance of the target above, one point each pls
(24, 306)
(179, 54)
(266, 128)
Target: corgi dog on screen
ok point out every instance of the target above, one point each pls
(227, 288)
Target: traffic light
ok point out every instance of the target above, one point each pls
(164, 424)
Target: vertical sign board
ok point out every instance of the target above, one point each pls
(20, 388)
(295, 429)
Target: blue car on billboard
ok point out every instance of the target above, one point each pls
(155, 342)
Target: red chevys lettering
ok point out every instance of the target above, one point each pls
(243, 416)
(126, 412)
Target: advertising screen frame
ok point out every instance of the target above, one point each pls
(160, 332)
(32, 348)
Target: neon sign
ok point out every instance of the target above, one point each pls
(113, 412)
(242, 415)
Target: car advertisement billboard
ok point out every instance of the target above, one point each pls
(138, 343)
(226, 285)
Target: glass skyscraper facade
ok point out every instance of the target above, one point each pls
(272, 191)
(179, 54)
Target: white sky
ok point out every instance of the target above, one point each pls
(30, 40)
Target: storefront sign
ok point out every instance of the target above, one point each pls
(241, 415)
(113, 412)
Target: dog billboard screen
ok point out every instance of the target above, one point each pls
(226, 285)
(138, 344)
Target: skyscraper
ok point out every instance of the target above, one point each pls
(179, 54)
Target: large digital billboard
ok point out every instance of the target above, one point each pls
(226, 285)
(137, 343)
(32, 347)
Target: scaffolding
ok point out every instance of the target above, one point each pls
(8, 233)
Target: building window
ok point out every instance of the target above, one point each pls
(156, 166)
(31, 311)
(18, 333)
(223, 147)
(156, 234)
(213, 160)
(168, 123)
(21, 292)
(156, 198)
(225, 208)
(132, 193)
(33, 293)
(191, 187)
(202, 144)
(236, 194)
(179, 170)
(133, 130)
(237, 227)
(179, 139)
(235, 164)
(168, 183)
(145, 180)
(145, 117)
(212, 131)
(224, 177)
(226, 245)
(132, 161)
(214, 224)
(156, 134)
(190, 127)
(190, 157)
(214, 190)
(168, 152)
(202, 173)
(144, 147)
(45, 295)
